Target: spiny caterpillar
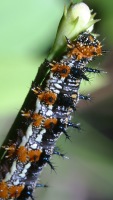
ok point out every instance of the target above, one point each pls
(43, 123)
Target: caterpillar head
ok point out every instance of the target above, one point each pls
(86, 46)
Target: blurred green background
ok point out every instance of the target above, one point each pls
(27, 31)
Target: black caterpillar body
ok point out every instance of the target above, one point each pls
(55, 100)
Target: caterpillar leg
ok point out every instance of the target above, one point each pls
(55, 152)
(41, 185)
(88, 69)
(46, 159)
(71, 124)
(84, 97)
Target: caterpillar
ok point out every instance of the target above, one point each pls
(46, 117)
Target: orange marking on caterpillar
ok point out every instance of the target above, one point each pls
(82, 51)
(63, 70)
(25, 155)
(22, 154)
(34, 155)
(49, 123)
(3, 190)
(15, 191)
(37, 119)
(48, 97)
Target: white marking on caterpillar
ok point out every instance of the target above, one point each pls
(16, 182)
(39, 137)
(49, 113)
(38, 106)
(50, 107)
(58, 86)
(25, 170)
(26, 137)
(12, 170)
(34, 146)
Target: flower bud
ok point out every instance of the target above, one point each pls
(76, 19)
